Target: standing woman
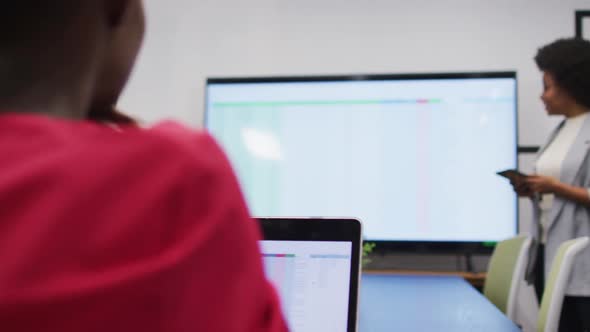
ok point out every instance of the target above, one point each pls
(560, 187)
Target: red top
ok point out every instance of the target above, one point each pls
(136, 230)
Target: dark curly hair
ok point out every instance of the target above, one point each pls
(568, 61)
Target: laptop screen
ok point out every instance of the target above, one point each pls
(312, 279)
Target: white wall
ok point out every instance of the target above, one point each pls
(188, 41)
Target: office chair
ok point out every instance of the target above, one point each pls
(506, 273)
(556, 283)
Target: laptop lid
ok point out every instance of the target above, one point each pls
(314, 265)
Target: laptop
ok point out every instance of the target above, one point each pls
(314, 264)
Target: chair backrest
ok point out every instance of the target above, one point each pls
(556, 283)
(505, 270)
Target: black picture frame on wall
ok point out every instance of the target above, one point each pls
(581, 16)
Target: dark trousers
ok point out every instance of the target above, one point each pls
(540, 272)
(575, 312)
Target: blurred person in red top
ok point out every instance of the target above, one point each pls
(103, 230)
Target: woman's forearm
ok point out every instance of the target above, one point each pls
(572, 193)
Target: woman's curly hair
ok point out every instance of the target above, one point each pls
(568, 61)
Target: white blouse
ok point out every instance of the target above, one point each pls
(551, 160)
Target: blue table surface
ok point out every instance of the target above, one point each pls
(426, 303)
